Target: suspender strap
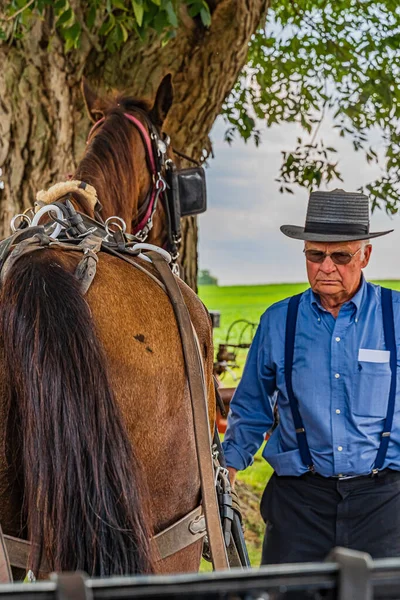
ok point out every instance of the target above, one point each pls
(291, 321)
(390, 343)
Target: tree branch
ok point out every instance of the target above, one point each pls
(11, 17)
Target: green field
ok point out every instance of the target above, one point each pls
(249, 302)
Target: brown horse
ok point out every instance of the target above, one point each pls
(97, 444)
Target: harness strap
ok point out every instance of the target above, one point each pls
(177, 536)
(291, 320)
(19, 550)
(194, 373)
(86, 269)
(390, 343)
(5, 567)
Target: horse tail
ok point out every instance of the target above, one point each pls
(81, 481)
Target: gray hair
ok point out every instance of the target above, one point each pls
(364, 244)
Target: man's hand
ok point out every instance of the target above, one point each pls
(232, 476)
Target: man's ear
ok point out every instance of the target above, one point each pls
(367, 256)
(163, 101)
(95, 106)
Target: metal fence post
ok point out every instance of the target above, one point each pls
(72, 586)
(354, 574)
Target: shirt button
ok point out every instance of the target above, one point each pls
(337, 411)
(337, 339)
(337, 375)
(340, 448)
(356, 320)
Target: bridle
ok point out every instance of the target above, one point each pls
(156, 147)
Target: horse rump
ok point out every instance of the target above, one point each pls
(81, 482)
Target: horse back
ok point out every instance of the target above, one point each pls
(135, 325)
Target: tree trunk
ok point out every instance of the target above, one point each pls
(43, 125)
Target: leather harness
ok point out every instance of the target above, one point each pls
(203, 520)
(90, 236)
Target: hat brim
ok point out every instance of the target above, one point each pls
(298, 233)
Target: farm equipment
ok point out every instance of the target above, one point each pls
(226, 359)
(238, 337)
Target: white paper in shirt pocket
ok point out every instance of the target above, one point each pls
(373, 356)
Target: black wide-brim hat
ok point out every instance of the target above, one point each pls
(336, 216)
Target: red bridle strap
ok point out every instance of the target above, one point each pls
(149, 149)
(146, 139)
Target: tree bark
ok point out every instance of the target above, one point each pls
(43, 125)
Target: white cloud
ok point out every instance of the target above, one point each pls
(240, 241)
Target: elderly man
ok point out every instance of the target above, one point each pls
(328, 359)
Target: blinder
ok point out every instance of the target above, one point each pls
(192, 191)
(186, 194)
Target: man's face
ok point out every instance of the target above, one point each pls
(330, 279)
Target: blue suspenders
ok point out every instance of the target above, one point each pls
(291, 321)
(390, 343)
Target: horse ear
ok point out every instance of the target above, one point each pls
(94, 104)
(163, 101)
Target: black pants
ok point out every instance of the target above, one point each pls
(307, 516)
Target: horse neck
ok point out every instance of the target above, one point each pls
(158, 233)
(115, 164)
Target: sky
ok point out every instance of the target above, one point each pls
(239, 237)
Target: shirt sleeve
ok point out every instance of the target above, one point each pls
(251, 408)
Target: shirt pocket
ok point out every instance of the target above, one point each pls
(371, 389)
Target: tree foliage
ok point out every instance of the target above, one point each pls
(311, 60)
(108, 23)
(205, 278)
(326, 58)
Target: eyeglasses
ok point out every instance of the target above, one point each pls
(339, 258)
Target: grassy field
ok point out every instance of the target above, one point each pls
(249, 302)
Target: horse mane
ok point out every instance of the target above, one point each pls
(108, 163)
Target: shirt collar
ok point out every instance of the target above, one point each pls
(356, 300)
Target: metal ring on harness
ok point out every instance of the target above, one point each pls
(114, 221)
(143, 246)
(160, 184)
(21, 216)
(47, 209)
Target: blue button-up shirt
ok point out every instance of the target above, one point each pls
(340, 381)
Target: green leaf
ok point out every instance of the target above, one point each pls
(172, 18)
(124, 32)
(139, 11)
(205, 16)
(60, 5)
(65, 17)
(194, 10)
(107, 26)
(91, 17)
(119, 4)
(72, 37)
